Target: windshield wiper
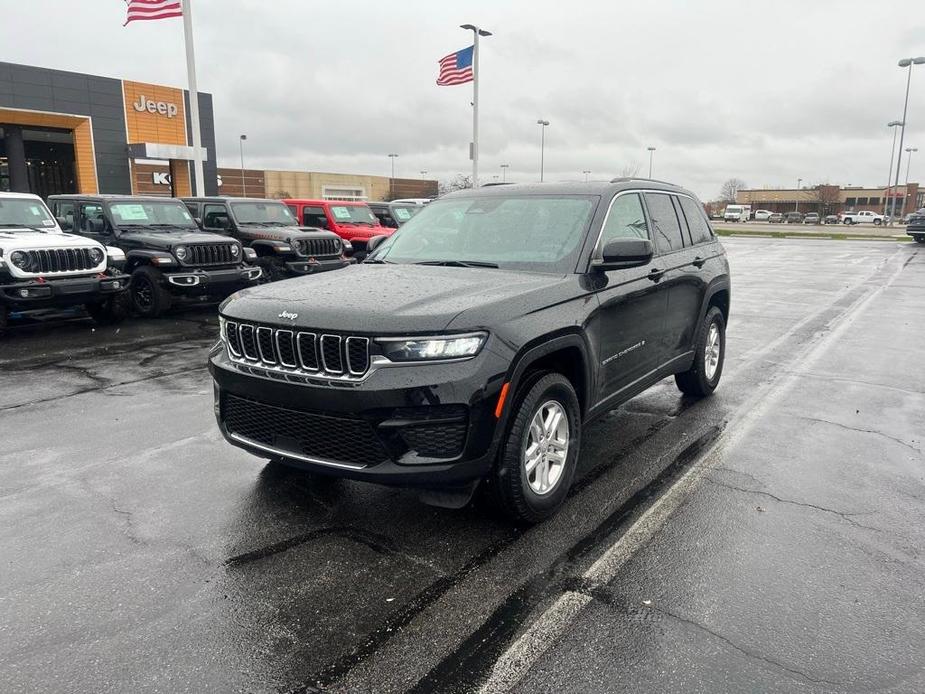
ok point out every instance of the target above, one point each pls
(458, 263)
(377, 261)
(12, 225)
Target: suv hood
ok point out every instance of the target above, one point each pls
(168, 239)
(399, 299)
(28, 240)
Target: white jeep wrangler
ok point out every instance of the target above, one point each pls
(41, 267)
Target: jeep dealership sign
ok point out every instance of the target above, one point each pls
(165, 108)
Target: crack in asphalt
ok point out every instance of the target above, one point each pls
(863, 431)
(844, 515)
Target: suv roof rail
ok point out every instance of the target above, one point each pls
(624, 179)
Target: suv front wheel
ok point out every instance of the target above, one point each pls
(149, 297)
(538, 458)
(709, 354)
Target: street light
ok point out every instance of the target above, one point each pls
(542, 123)
(886, 199)
(423, 174)
(796, 207)
(587, 173)
(910, 150)
(504, 168)
(243, 183)
(651, 155)
(474, 145)
(906, 63)
(392, 158)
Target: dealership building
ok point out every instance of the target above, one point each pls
(826, 199)
(65, 132)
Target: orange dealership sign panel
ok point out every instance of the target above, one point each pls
(154, 113)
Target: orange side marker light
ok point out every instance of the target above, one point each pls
(499, 408)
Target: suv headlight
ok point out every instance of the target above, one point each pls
(235, 251)
(96, 256)
(181, 252)
(19, 260)
(432, 348)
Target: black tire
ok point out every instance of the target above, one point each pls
(919, 238)
(272, 270)
(111, 311)
(510, 484)
(149, 297)
(848, 222)
(4, 318)
(695, 381)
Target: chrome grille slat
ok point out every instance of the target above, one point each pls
(53, 260)
(286, 351)
(210, 254)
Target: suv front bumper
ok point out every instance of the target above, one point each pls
(313, 266)
(31, 294)
(420, 425)
(198, 283)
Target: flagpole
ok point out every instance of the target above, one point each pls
(474, 153)
(199, 177)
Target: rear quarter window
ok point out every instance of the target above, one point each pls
(696, 221)
(665, 226)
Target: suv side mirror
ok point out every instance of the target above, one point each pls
(374, 243)
(198, 221)
(64, 223)
(625, 253)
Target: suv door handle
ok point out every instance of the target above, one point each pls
(655, 274)
(699, 262)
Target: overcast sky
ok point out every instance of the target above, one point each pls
(769, 93)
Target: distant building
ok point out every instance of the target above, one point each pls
(826, 199)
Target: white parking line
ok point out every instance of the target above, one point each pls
(521, 655)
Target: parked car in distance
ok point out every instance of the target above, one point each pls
(41, 267)
(776, 218)
(737, 213)
(281, 247)
(762, 215)
(863, 217)
(170, 259)
(792, 217)
(811, 218)
(915, 227)
(394, 214)
(352, 220)
(514, 315)
(831, 219)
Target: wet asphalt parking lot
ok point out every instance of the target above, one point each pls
(767, 539)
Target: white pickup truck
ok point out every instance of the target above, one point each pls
(863, 217)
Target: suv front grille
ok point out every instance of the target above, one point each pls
(211, 254)
(320, 247)
(315, 354)
(338, 439)
(59, 260)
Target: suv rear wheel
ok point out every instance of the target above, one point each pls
(709, 354)
(149, 297)
(538, 458)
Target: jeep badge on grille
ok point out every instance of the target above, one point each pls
(290, 316)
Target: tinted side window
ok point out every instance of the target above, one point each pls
(214, 217)
(314, 217)
(66, 211)
(625, 220)
(91, 219)
(696, 221)
(665, 226)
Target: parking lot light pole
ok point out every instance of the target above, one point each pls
(796, 207)
(474, 154)
(423, 173)
(587, 173)
(651, 155)
(910, 151)
(392, 158)
(243, 182)
(542, 123)
(906, 63)
(504, 168)
(886, 198)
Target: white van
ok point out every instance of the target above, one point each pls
(737, 213)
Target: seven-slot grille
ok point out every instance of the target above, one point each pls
(211, 254)
(59, 260)
(320, 247)
(298, 350)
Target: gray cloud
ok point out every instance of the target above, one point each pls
(721, 88)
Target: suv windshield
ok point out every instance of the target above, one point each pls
(148, 213)
(534, 233)
(272, 213)
(25, 213)
(354, 214)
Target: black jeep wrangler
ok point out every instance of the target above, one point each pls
(169, 258)
(284, 249)
(514, 315)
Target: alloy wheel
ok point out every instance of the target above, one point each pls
(546, 448)
(711, 352)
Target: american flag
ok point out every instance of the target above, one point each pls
(456, 68)
(152, 9)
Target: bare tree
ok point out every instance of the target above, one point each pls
(459, 182)
(730, 188)
(828, 197)
(630, 170)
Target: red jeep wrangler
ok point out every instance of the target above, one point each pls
(351, 220)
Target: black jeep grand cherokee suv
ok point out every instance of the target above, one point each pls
(479, 339)
(169, 258)
(283, 248)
